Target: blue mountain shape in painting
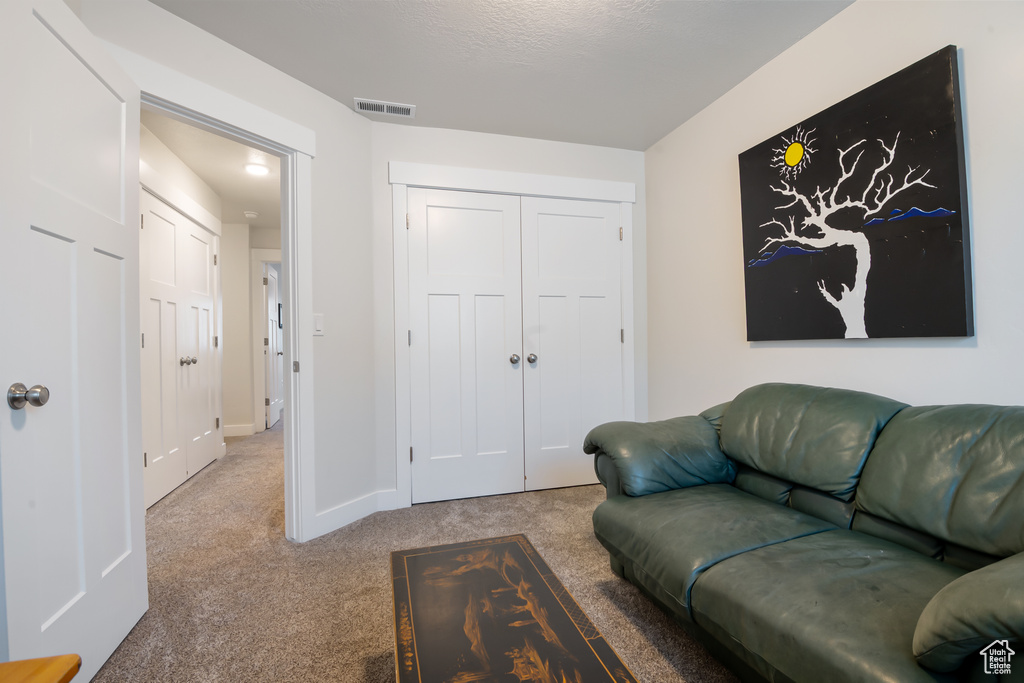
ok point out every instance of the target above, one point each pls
(767, 257)
(915, 212)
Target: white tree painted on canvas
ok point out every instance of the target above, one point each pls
(809, 229)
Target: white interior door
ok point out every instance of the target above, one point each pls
(180, 375)
(572, 329)
(466, 318)
(273, 350)
(164, 444)
(199, 377)
(74, 564)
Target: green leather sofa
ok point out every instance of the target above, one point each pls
(819, 534)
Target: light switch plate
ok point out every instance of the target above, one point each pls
(318, 324)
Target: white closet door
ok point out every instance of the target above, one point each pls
(164, 445)
(466, 317)
(572, 317)
(200, 378)
(180, 376)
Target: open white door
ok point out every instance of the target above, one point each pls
(74, 563)
(274, 350)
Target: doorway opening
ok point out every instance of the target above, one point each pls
(254, 226)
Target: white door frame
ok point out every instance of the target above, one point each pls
(258, 258)
(403, 175)
(296, 258)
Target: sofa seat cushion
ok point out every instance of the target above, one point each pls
(670, 538)
(835, 606)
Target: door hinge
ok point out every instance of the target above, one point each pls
(142, 221)
(410, 453)
(145, 459)
(265, 281)
(295, 366)
(266, 341)
(216, 341)
(410, 337)
(266, 401)
(620, 233)
(143, 340)
(406, 221)
(217, 421)
(214, 259)
(622, 335)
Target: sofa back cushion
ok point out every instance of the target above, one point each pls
(955, 472)
(814, 436)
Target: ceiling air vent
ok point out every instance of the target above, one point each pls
(407, 111)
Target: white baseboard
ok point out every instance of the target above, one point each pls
(392, 499)
(352, 511)
(239, 430)
(339, 516)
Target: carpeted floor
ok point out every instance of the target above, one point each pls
(232, 600)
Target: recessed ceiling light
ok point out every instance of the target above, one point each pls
(251, 215)
(257, 169)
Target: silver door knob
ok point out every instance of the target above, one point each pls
(195, 361)
(280, 353)
(18, 395)
(184, 361)
(532, 358)
(514, 359)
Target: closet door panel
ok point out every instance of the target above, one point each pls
(444, 367)
(494, 426)
(466, 322)
(601, 397)
(553, 386)
(572, 319)
(202, 447)
(163, 440)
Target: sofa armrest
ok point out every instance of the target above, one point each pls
(608, 475)
(972, 612)
(658, 456)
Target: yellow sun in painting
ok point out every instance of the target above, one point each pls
(794, 154)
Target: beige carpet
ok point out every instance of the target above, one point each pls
(232, 600)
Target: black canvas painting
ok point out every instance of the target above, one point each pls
(855, 219)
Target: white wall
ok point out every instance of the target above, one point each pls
(188, 188)
(697, 349)
(392, 142)
(265, 238)
(342, 452)
(237, 336)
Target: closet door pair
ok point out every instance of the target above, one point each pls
(515, 341)
(180, 376)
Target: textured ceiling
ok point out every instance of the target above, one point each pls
(617, 73)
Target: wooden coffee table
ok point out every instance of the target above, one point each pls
(492, 610)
